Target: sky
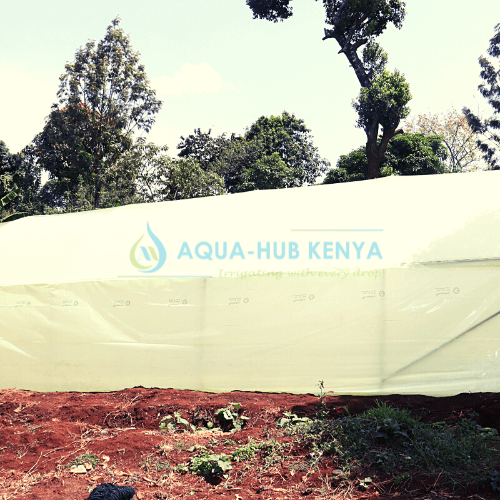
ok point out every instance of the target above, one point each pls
(214, 67)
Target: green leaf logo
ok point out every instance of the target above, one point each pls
(153, 256)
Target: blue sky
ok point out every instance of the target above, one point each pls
(215, 67)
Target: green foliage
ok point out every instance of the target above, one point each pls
(90, 458)
(268, 172)
(384, 96)
(363, 19)
(152, 463)
(175, 422)
(489, 128)
(104, 96)
(289, 137)
(275, 152)
(162, 178)
(291, 421)
(229, 418)
(394, 442)
(272, 10)
(246, 452)
(209, 465)
(19, 184)
(386, 99)
(407, 154)
(374, 60)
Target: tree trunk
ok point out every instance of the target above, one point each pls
(375, 149)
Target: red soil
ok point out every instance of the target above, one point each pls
(41, 433)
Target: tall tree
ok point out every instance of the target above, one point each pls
(458, 137)
(384, 96)
(489, 128)
(407, 154)
(104, 97)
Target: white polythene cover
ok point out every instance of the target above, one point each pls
(383, 286)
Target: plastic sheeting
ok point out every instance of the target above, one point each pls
(375, 287)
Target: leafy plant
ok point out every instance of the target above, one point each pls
(152, 463)
(208, 464)
(272, 452)
(322, 410)
(291, 420)
(182, 468)
(89, 458)
(391, 440)
(245, 452)
(229, 418)
(399, 480)
(175, 422)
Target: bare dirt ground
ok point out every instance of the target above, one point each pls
(44, 435)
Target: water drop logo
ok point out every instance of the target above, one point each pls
(148, 259)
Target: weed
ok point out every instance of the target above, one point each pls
(402, 478)
(392, 441)
(322, 410)
(182, 468)
(290, 420)
(271, 451)
(210, 465)
(152, 463)
(245, 452)
(175, 422)
(89, 458)
(229, 418)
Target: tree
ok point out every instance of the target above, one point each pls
(407, 154)
(251, 161)
(489, 128)
(104, 97)
(458, 137)
(289, 137)
(268, 172)
(161, 178)
(384, 96)
(20, 181)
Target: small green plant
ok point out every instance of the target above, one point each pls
(245, 452)
(210, 465)
(272, 451)
(175, 422)
(182, 468)
(290, 420)
(229, 418)
(86, 458)
(322, 410)
(152, 463)
(402, 478)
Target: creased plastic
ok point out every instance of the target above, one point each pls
(375, 287)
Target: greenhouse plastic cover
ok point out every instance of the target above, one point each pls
(375, 287)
